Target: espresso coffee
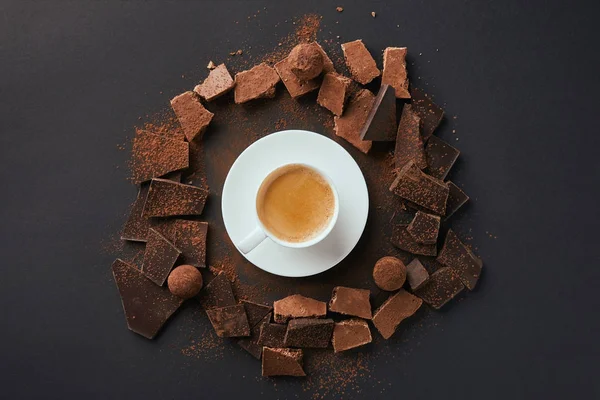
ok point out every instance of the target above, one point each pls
(295, 203)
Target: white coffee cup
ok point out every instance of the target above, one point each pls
(260, 232)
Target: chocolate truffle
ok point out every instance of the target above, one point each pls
(306, 61)
(185, 281)
(389, 273)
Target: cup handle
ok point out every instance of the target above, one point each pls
(253, 239)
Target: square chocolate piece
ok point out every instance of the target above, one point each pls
(460, 258)
(409, 143)
(350, 334)
(440, 157)
(282, 362)
(229, 321)
(404, 241)
(298, 306)
(272, 335)
(395, 310)
(394, 71)
(309, 333)
(295, 86)
(218, 83)
(417, 187)
(256, 83)
(424, 228)
(348, 126)
(444, 284)
(153, 156)
(136, 227)
(381, 121)
(192, 115)
(456, 199)
(350, 301)
(334, 91)
(159, 257)
(167, 198)
(188, 236)
(430, 113)
(217, 293)
(416, 274)
(360, 63)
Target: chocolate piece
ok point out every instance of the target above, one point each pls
(416, 274)
(440, 157)
(348, 126)
(218, 83)
(298, 306)
(444, 284)
(272, 335)
(360, 63)
(350, 301)
(192, 115)
(460, 258)
(403, 240)
(456, 199)
(256, 312)
(306, 61)
(334, 91)
(167, 198)
(279, 362)
(293, 84)
(309, 332)
(155, 155)
(250, 344)
(409, 143)
(229, 321)
(381, 121)
(394, 71)
(416, 186)
(185, 281)
(350, 334)
(327, 63)
(159, 257)
(424, 228)
(136, 227)
(146, 306)
(217, 293)
(389, 273)
(256, 83)
(395, 309)
(189, 237)
(430, 113)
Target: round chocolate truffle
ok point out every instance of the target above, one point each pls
(306, 61)
(185, 281)
(389, 273)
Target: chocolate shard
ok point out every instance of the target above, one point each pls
(417, 274)
(250, 344)
(444, 284)
(282, 362)
(218, 82)
(295, 86)
(359, 61)
(460, 258)
(309, 333)
(395, 310)
(350, 301)
(136, 227)
(394, 71)
(430, 113)
(189, 237)
(155, 155)
(456, 199)
(424, 228)
(217, 293)
(409, 143)
(256, 83)
(167, 198)
(380, 125)
(159, 257)
(404, 241)
(298, 306)
(350, 334)
(192, 115)
(272, 335)
(440, 157)
(425, 191)
(256, 312)
(147, 307)
(334, 92)
(348, 125)
(229, 321)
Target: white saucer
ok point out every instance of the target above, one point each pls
(296, 146)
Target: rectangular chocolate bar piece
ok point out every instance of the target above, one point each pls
(404, 241)
(256, 83)
(430, 113)
(167, 198)
(298, 306)
(350, 334)
(416, 274)
(155, 155)
(218, 82)
(350, 301)
(309, 333)
(333, 93)
(456, 199)
(295, 86)
(440, 157)
(229, 321)
(395, 310)
(188, 236)
(360, 63)
(159, 257)
(409, 142)
(192, 115)
(444, 284)
(417, 187)
(394, 71)
(282, 362)
(348, 126)
(424, 228)
(272, 335)
(460, 258)
(380, 125)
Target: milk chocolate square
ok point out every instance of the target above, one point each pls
(394, 71)
(256, 83)
(395, 310)
(218, 82)
(333, 93)
(350, 334)
(350, 301)
(167, 198)
(348, 126)
(192, 115)
(360, 63)
(409, 142)
(282, 362)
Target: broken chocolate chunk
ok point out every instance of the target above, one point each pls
(217, 293)
(229, 321)
(159, 257)
(309, 332)
(155, 155)
(256, 83)
(396, 309)
(394, 71)
(416, 274)
(360, 63)
(136, 227)
(282, 362)
(444, 284)
(146, 306)
(350, 334)
(417, 187)
(348, 125)
(298, 306)
(404, 241)
(333, 93)
(192, 115)
(440, 157)
(460, 258)
(409, 143)
(272, 335)
(218, 83)
(424, 228)
(189, 237)
(380, 125)
(430, 113)
(250, 344)
(167, 198)
(389, 273)
(256, 312)
(293, 84)
(456, 199)
(350, 301)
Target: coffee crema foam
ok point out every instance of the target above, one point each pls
(295, 203)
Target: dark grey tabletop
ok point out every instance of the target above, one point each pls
(522, 79)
